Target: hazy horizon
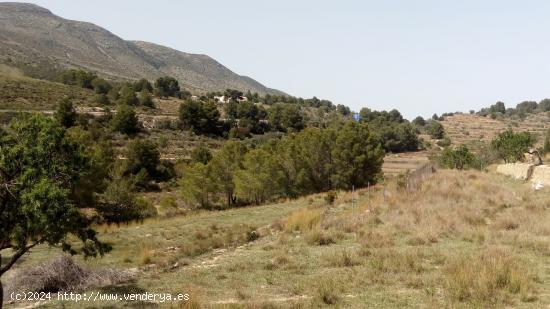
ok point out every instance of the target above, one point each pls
(422, 58)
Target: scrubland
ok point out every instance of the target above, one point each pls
(462, 240)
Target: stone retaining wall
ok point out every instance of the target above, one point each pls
(541, 174)
(525, 171)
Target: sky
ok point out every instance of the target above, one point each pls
(420, 57)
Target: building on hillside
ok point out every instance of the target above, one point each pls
(221, 99)
(224, 99)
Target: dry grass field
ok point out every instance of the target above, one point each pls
(463, 240)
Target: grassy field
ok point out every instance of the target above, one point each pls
(463, 240)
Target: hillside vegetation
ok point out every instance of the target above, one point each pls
(19, 92)
(42, 43)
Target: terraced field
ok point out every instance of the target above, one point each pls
(400, 163)
(474, 129)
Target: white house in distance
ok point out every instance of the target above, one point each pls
(224, 99)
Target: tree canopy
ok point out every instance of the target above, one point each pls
(200, 117)
(511, 145)
(65, 113)
(312, 160)
(39, 168)
(166, 87)
(125, 120)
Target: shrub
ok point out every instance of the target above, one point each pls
(322, 238)
(342, 258)
(201, 118)
(145, 255)
(101, 98)
(459, 158)
(145, 99)
(511, 146)
(65, 113)
(165, 124)
(483, 278)
(327, 292)
(168, 205)
(127, 96)
(125, 120)
(145, 208)
(445, 142)
(330, 197)
(302, 220)
(142, 154)
(77, 78)
(435, 129)
(101, 86)
(119, 203)
(166, 87)
(142, 84)
(201, 155)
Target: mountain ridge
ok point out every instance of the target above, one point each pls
(33, 35)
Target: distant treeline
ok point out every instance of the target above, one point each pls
(521, 110)
(109, 92)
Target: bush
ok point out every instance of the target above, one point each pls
(201, 155)
(165, 124)
(330, 197)
(511, 146)
(459, 158)
(127, 96)
(419, 121)
(342, 258)
(101, 86)
(145, 208)
(166, 87)
(145, 99)
(323, 238)
(327, 292)
(546, 146)
(65, 113)
(445, 142)
(435, 129)
(201, 118)
(101, 98)
(77, 78)
(125, 121)
(142, 154)
(142, 84)
(302, 220)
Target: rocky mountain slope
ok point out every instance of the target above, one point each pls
(32, 35)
